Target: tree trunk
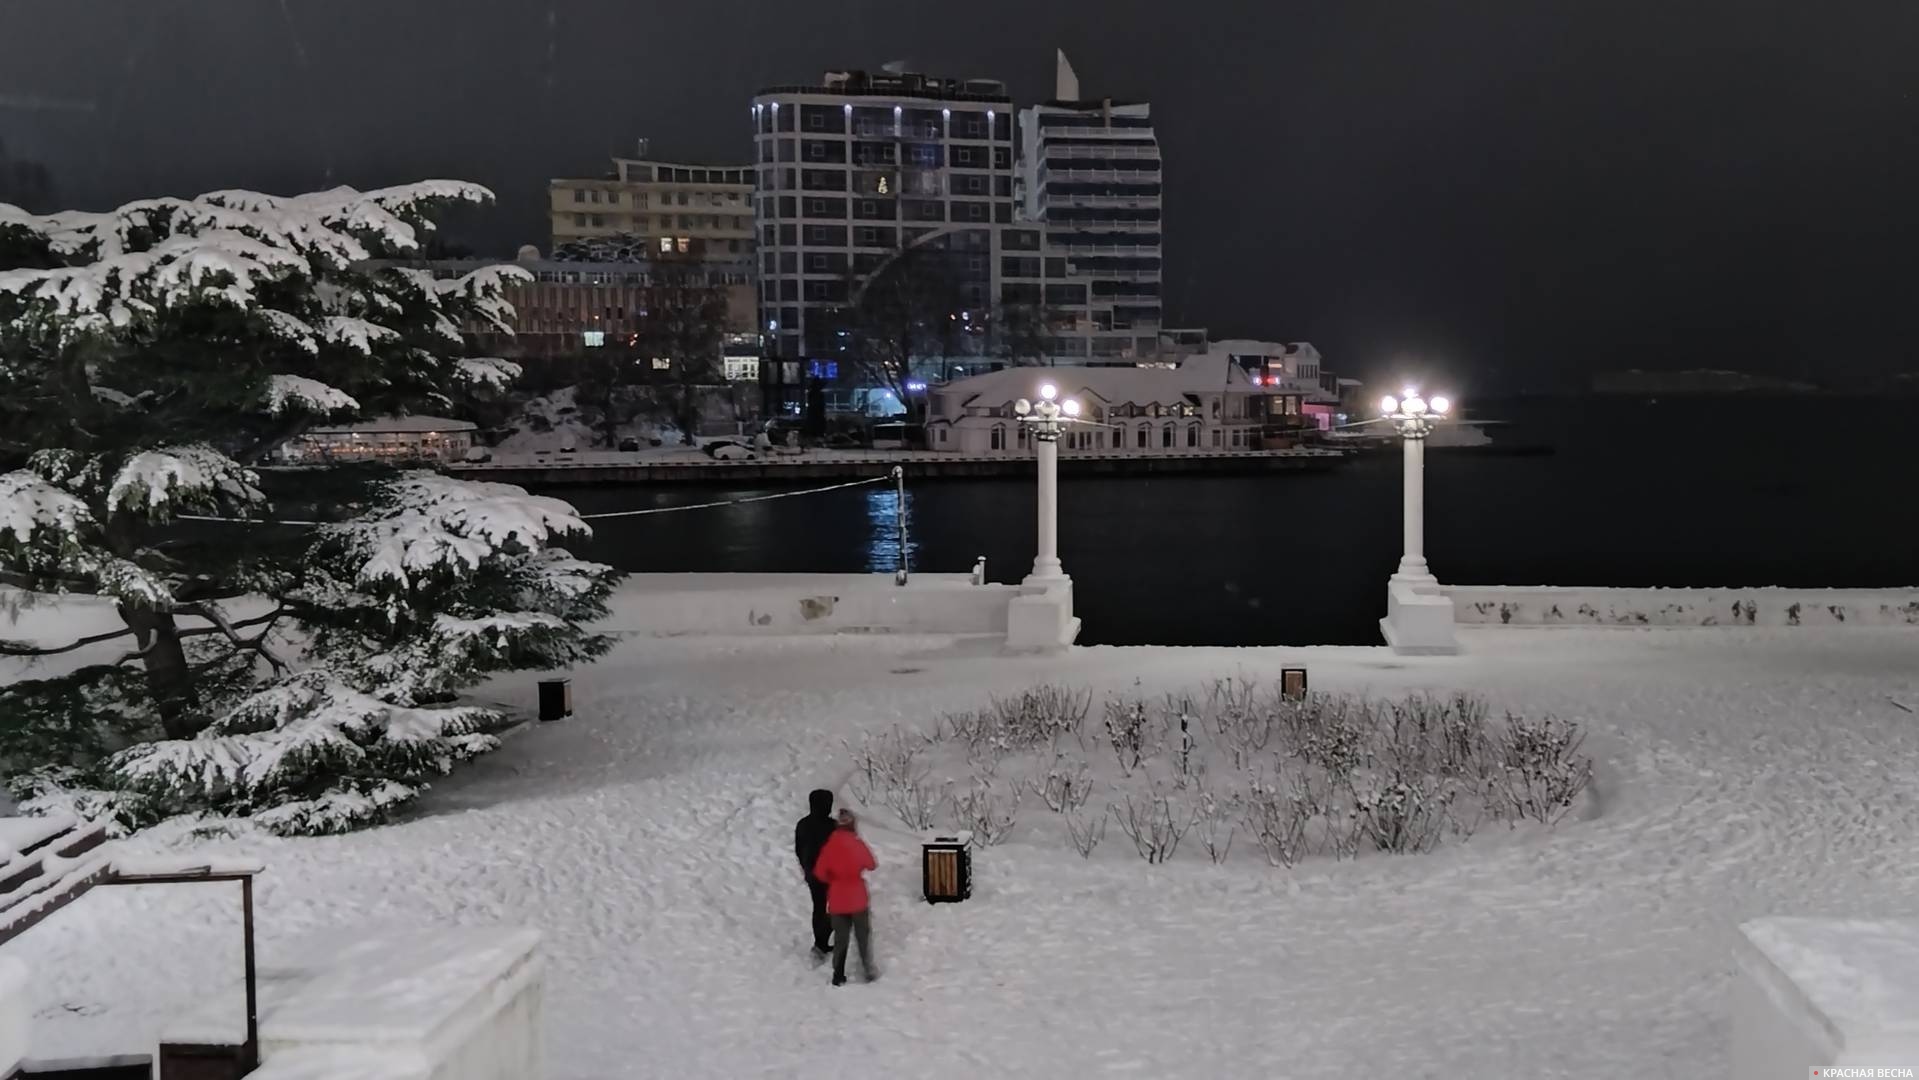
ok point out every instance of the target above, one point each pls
(169, 679)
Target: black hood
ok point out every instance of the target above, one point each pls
(821, 801)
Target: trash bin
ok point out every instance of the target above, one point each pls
(556, 699)
(1292, 683)
(947, 862)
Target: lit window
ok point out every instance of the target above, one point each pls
(593, 339)
(884, 188)
(666, 245)
(685, 245)
(662, 363)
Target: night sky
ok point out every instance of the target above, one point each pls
(1513, 193)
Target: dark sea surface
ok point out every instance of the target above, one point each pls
(1807, 492)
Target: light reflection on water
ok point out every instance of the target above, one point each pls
(883, 532)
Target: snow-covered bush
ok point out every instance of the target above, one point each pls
(150, 358)
(1541, 772)
(989, 813)
(1127, 725)
(1276, 817)
(1085, 834)
(1155, 823)
(1066, 785)
(1324, 775)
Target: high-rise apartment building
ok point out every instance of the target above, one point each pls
(1090, 177)
(643, 209)
(856, 169)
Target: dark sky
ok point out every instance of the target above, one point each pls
(1517, 192)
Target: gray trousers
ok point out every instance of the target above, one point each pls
(861, 923)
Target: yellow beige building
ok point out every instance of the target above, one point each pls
(666, 208)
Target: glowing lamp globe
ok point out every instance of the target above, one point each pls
(1049, 391)
(1022, 406)
(1071, 407)
(1440, 405)
(1389, 405)
(1414, 406)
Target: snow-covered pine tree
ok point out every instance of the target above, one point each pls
(150, 358)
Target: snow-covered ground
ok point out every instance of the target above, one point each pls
(1740, 772)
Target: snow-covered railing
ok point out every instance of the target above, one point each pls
(1547, 605)
(47, 863)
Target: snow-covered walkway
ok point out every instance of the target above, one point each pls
(1740, 773)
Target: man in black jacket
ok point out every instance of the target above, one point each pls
(808, 837)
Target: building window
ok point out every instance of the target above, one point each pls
(1235, 438)
(999, 437)
(593, 339)
(816, 261)
(1143, 429)
(1166, 436)
(942, 436)
(1215, 438)
(613, 197)
(1192, 435)
(683, 244)
(666, 245)
(593, 196)
(579, 221)
(579, 195)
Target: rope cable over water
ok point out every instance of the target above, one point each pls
(588, 517)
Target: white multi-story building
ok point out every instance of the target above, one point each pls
(1207, 404)
(861, 166)
(1090, 176)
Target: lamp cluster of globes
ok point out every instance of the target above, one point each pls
(1047, 408)
(1411, 404)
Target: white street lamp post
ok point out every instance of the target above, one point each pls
(1413, 417)
(1045, 419)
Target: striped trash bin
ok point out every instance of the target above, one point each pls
(947, 863)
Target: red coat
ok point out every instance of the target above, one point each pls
(842, 862)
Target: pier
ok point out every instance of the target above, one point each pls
(548, 470)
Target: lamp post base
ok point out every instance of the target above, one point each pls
(1416, 575)
(1040, 618)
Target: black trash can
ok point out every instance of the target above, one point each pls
(947, 868)
(556, 699)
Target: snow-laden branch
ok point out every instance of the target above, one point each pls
(433, 526)
(157, 483)
(296, 393)
(488, 372)
(33, 510)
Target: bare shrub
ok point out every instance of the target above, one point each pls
(1041, 716)
(1542, 770)
(1214, 824)
(1065, 787)
(1331, 732)
(1126, 723)
(1085, 834)
(1155, 825)
(989, 814)
(1402, 815)
(1230, 703)
(1277, 821)
(914, 801)
(887, 757)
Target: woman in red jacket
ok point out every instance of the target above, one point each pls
(842, 865)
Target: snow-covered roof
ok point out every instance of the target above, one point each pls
(1112, 385)
(398, 425)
